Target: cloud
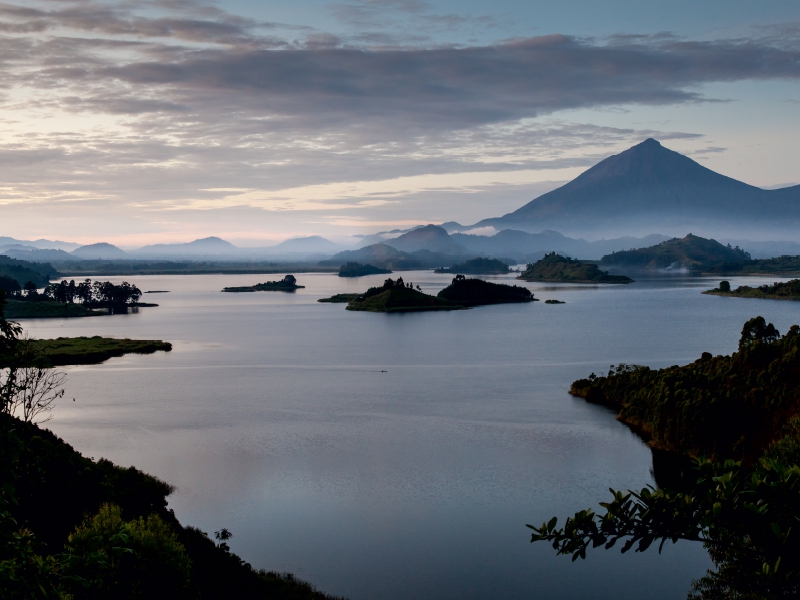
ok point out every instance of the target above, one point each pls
(157, 106)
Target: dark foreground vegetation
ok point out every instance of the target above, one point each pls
(72, 528)
(789, 290)
(287, 284)
(354, 269)
(556, 268)
(738, 416)
(478, 266)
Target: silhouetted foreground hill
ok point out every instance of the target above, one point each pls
(649, 187)
(51, 489)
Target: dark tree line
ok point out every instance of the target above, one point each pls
(98, 294)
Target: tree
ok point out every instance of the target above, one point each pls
(757, 331)
(725, 286)
(746, 517)
(31, 291)
(108, 557)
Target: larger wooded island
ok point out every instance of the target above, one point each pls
(287, 284)
(397, 296)
(562, 269)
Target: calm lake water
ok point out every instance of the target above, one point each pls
(390, 457)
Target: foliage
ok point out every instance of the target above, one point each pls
(692, 252)
(23, 271)
(557, 268)
(340, 298)
(108, 557)
(287, 284)
(789, 290)
(97, 294)
(746, 517)
(398, 296)
(476, 292)
(9, 285)
(19, 309)
(728, 406)
(354, 269)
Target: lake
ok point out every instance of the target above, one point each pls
(397, 456)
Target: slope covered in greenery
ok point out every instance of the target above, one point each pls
(23, 271)
(724, 406)
(690, 252)
(789, 290)
(556, 268)
(354, 269)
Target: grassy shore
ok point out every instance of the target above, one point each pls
(90, 350)
(16, 309)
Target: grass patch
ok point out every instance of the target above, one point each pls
(16, 309)
(91, 350)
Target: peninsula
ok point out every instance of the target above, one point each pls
(556, 268)
(82, 350)
(477, 292)
(287, 284)
(789, 290)
(354, 269)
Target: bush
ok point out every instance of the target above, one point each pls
(108, 557)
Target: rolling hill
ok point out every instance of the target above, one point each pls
(651, 188)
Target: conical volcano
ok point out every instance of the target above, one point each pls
(651, 187)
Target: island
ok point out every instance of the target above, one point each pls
(341, 298)
(82, 350)
(354, 269)
(287, 284)
(554, 301)
(477, 292)
(398, 296)
(478, 266)
(789, 290)
(69, 300)
(556, 268)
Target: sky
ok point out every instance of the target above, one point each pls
(137, 122)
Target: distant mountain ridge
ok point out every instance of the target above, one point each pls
(649, 187)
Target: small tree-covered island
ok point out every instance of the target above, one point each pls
(555, 268)
(789, 290)
(68, 299)
(354, 269)
(287, 284)
(734, 419)
(398, 296)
